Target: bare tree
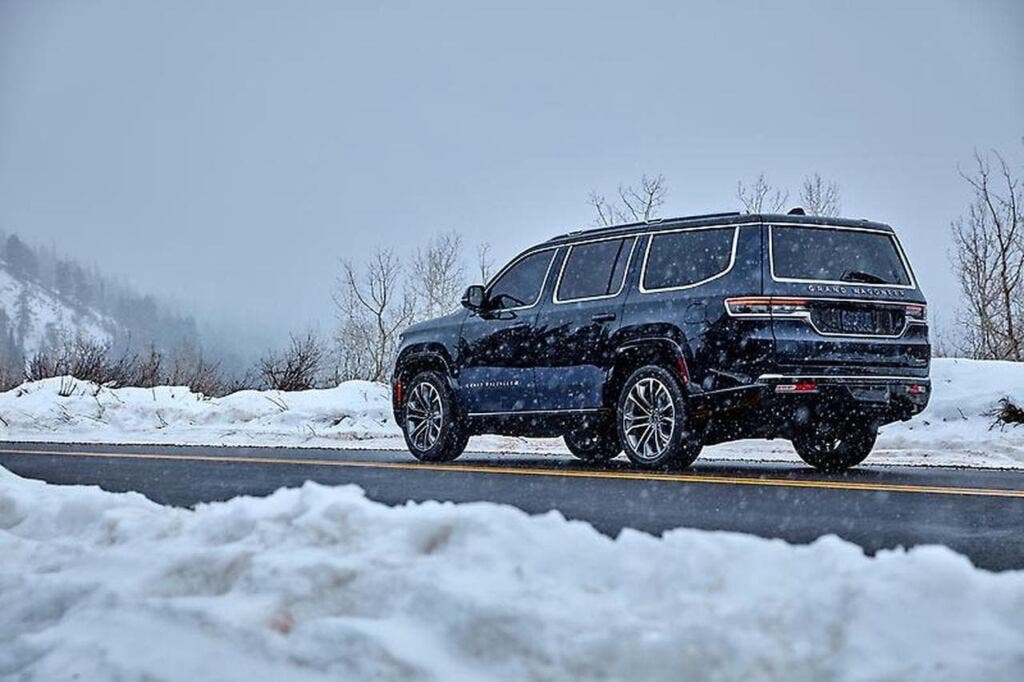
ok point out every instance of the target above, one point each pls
(988, 258)
(819, 197)
(635, 203)
(762, 196)
(484, 262)
(296, 368)
(438, 275)
(372, 308)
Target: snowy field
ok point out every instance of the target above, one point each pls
(954, 430)
(319, 583)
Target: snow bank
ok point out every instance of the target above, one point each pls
(954, 430)
(320, 583)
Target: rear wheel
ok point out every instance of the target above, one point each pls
(835, 446)
(653, 421)
(594, 442)
(432, 424)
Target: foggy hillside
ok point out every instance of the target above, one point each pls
(47, 298)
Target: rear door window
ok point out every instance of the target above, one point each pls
(687, 258)
(837, 255)
(594, 270)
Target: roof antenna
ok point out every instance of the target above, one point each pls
(797, 211)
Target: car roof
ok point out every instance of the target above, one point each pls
(710, 220)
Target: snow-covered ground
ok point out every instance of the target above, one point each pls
(320, 583)
(954, 430)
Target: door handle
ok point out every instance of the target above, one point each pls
(603, 317)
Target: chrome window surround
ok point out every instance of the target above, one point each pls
(732, 257)
(510, 264)
(891, 235)
(565, 261)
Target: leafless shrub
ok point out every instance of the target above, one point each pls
(761, 196)
(147, 371)
(296, 368)
(190, 368)
(988, 258)
(635, 203)
(1007, 414)
(820, 197)
(82, 358)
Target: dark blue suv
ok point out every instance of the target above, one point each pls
(660, 337)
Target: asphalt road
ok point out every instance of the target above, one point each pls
(979, 513)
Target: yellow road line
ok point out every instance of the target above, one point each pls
(537, 471)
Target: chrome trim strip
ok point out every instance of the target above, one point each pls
(586, 410)
(842, 377)
(565, 262)
(647, 254)
(795, 280)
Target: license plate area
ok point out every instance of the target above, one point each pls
(870, 394)
(857, 319)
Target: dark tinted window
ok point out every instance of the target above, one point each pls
(594, 269)
(520, 285)
(680, 258)
(837, 255)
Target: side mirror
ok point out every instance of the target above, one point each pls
(474, 297)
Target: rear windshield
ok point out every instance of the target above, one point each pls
(837, 255)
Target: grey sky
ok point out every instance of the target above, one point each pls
(228, 153)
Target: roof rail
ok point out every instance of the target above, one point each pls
(652, 221)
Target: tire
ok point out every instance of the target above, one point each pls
(432, 423)
(660, 437)
(594, 442)
(835, 446)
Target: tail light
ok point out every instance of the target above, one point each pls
(767, 306)
(917, 312)
(798, 387)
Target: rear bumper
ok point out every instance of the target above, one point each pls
(886, 397)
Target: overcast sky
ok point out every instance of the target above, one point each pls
(229, 153)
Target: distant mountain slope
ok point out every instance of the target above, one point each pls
(46, 298)
(37, 317)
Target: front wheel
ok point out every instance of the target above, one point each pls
(432, 425)
(653, 421)
(835, 446)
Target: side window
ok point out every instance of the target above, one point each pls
(594, 269)
(520, 285)
(678, 259)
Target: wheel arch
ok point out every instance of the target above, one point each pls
(413, 360)
(670, 352)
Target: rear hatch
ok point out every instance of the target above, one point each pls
(843, 300)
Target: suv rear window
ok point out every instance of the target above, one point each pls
(678, 259)
(837, 255)
(594, 269)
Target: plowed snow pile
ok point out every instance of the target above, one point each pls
(954, 430)
(319, 583)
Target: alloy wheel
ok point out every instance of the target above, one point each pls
(424, 416)
(648, 418)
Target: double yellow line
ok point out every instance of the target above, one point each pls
(539, 471)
